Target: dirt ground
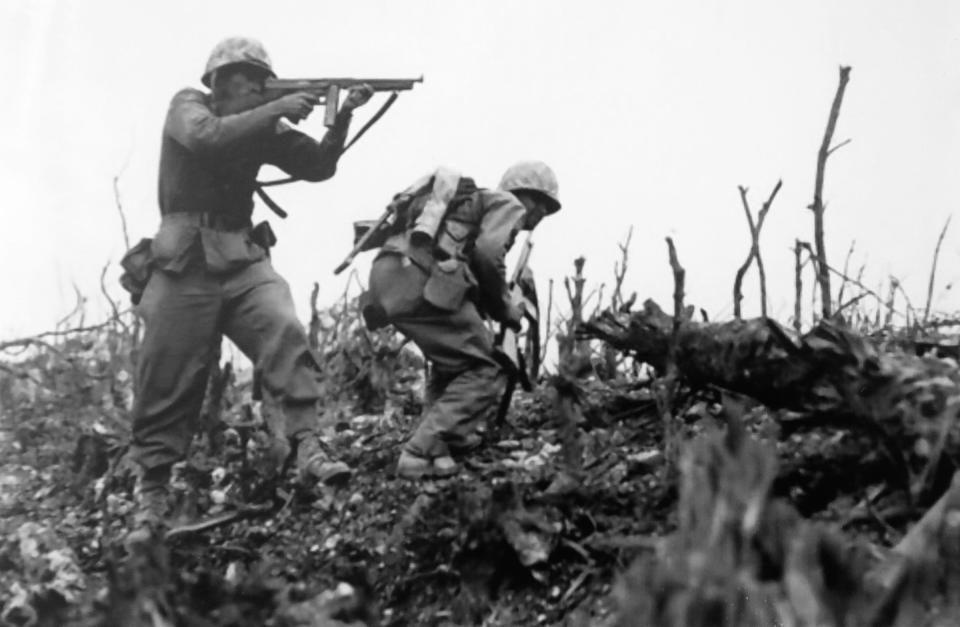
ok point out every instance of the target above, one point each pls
(534, 531)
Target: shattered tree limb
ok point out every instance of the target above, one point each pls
(754, 253)
(831, 374)
(933, 271)
(823, 275)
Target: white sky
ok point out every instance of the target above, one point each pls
(651, 114)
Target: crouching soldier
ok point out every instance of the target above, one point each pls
(436, 279)
(211, 269)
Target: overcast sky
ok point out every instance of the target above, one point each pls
(650, 113)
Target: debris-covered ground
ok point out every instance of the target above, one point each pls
(596, 516)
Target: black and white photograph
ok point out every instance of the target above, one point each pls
(491, 313)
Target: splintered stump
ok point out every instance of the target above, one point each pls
(830, 375)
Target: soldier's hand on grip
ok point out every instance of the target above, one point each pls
(296, 107)
(357, 97)
(514, 317)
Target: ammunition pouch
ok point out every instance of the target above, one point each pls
(137, 267)
(449, 285)
(263, 236)
(374, 315)
(453, 241)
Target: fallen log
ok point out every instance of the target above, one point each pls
(830, 374)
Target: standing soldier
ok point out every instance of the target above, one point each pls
(211, 269)
(439, 294)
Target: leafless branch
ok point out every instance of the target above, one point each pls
(798, 286)
(933, 271)
(667, 387)
(838, 146)
(817, 206)
(620, 271)
(119, 203)
(81, 302)
(891, 301)
(754, 253)
(809, 249)
(679, 276)
(898, 285)
(548, 334)
(853, 301)
(116, 317)
(313, 333)
(846, 268)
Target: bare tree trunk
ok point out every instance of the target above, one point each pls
(817, 206)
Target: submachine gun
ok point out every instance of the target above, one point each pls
(328, 90)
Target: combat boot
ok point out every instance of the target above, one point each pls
(412, 466)
(150, 518)
(314, 464)
(466, 444)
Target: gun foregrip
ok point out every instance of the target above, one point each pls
(333, 103)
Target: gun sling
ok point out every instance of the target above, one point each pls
(272, 204)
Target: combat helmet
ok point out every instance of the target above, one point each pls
(532, 176)
(234, 50)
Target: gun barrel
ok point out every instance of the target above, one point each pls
(322, 84)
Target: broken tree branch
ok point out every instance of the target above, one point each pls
(838, 146)
(933, 271)
(846, 270)
(547, 334)
(620, 271)
(313, 334)
(889, 304)
(798, 286)
(754, 253)
(823, 274)
(667, 386)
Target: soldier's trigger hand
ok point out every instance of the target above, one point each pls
(357, 97)
(514, 316)
(296, 106)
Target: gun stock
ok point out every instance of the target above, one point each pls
(363, 242)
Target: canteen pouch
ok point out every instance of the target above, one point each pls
(448, 285)
(263, 236)
(137, 267)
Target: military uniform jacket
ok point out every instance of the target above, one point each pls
(208, 169)
(470, 248)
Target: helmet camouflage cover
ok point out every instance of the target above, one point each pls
(532, 176)
(237, 50)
